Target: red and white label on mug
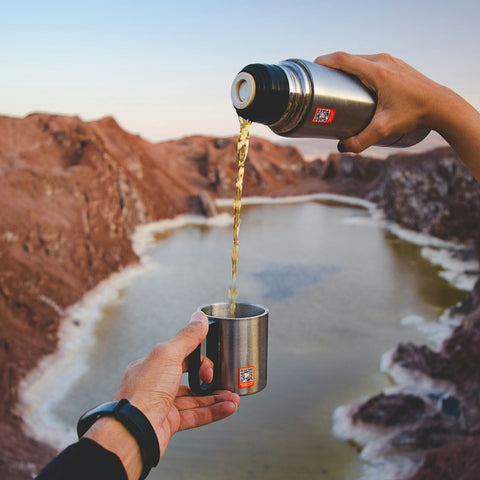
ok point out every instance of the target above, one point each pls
(246, 377)
(323, 115)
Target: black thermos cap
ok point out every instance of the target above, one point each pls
(270, 93)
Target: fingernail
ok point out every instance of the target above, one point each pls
(198, 317)
(341, 147)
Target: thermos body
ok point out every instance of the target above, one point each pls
(297, 98)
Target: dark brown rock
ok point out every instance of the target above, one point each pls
(203, 204)
(432, 193)
(459, 460)
(389, 410)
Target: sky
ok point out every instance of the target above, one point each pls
(163, 69)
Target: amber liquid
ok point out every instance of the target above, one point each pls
(242, 149)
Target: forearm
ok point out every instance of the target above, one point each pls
(85, 459)
(459, 124)
(113, 436)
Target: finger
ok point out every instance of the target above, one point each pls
(204, 360)
(362, 66)
(197, 417)
(380, 127)
(358, 143)
(192, 335)
(206, 370)
(188, 400)
(348, 61)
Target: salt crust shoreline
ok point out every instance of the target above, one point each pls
(380, 463)
(40, 392)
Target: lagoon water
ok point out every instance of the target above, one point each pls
(337, 285)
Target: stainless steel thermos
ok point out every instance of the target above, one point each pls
(236, 346)
(297, 98)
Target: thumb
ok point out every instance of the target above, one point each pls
(192, 335)
(369, 136)
(380, 127)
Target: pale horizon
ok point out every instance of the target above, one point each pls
(164, 70)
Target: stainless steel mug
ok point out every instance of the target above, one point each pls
(297, 98)
(237, 347)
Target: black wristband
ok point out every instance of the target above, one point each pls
(134, 421)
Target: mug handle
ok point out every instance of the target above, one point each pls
(194, 360)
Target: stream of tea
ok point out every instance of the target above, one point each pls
(242, 150)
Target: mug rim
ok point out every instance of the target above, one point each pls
(264, 311)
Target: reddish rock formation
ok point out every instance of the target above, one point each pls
(72, 193)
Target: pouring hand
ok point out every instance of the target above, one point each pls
(405, 96)
(407, 101)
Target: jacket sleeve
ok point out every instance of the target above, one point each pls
(85, 459)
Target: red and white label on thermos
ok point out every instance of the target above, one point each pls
(246, 377)
(323, 115)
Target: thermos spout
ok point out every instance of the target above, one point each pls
(297, 98)
(243, 90)
(261, 92)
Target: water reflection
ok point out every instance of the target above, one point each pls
(336, 291)
(282, 281)
(432, 289)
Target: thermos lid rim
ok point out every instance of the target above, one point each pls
(243, 90)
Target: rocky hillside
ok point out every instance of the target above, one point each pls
(431, 193)
(73, 192)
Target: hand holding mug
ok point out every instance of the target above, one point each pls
(153, 385)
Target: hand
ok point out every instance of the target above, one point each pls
(405, 97)
(407, 101)
(153, 385)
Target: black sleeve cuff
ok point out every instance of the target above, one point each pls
(82, 460)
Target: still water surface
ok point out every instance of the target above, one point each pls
(337, 290)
